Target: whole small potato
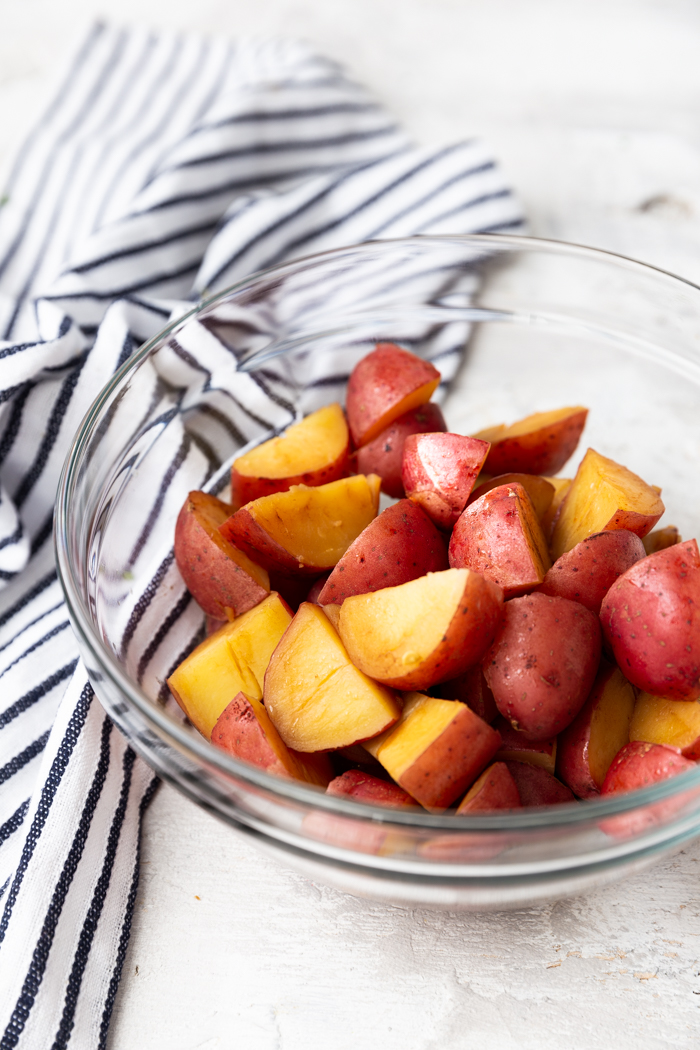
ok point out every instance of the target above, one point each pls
(651, 619)
(542, 663)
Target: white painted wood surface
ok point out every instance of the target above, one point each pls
(594, 108)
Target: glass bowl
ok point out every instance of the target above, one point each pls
(545, 325)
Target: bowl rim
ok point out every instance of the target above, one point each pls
(201, 751)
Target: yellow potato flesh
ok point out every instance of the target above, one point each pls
(610, 724)
(528, 425)
(423, 719)
(305, 446)
(394, 630)
(230, 661)
(601, 490)
(316, 698)
(317, 525)
(660, 721)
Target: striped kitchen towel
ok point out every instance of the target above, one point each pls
(165, 166)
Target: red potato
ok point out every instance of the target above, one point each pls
(537, 787)
(244, 730)
(495, 789)
(422, 632)
(435, 750)
(638, 765)
(317, 587)
(384, 385)
(586, 573)
(230, 661)
(222, 579)
(516, 748)
(660, 539)
(316, 698)
(305, 530)
(359, 836)
(604, 495)
(399, 545)
(540, 490)
(539, 444)
(439, 471)
(471, 689)
(500, 537)
(542, 663)
(384, 455)
(657, 720)
(651, 619)
(602, 726)
(363, 787)
(313, 451)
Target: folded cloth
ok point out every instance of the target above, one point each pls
(165, 167)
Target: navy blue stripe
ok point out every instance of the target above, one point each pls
(291, 146)
(260, 116)
(461, 176)
(175, 464)
(467, 206)
(14, 422)
(13, 538)
(48, 793)
(28, 598)
(127, 289)
(37, 645)
(146, 246)
(126, 925)
(51, 433)
(42, 536)
(15, 821)
(141, 607)
(37, 693)
(173, 616)
(92, 918)
(11, 768)
(40, 956)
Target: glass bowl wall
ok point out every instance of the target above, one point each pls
(544, 325)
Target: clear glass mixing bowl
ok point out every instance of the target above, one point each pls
(545, 325)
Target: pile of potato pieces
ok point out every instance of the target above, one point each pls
(499, 637)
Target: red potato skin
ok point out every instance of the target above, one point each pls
(239, 732)
(574, 743)
(640, 764)
(245, 488)
(495, 789)
(490, 539)
(637, 765)
(363, 787)
(243, 530)
(214, 580)
(439, 471)
(651, 620)
(587, 572)
(399, 545)
(452, 762)
(543, 451)
(540, 490)
(471, 689)
(378, 385)
(537, 787)
(384, 455)
(542, 663)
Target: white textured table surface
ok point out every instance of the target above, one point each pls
(594, 108)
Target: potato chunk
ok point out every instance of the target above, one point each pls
(539, 444)
(316, 698)
(604, 495)
(385, 385)
(305, 529)
(313, 451)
